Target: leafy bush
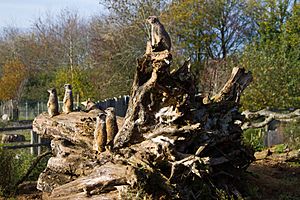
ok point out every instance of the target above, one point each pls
(6, 170)
(255, 138)
(13, 165)
(292, 134)
(280, 148)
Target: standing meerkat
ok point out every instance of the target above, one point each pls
(160, 39)
(100, 135)
(68, 99)
(111, 125)
(52, 103)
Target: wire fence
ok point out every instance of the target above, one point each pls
(28, 110)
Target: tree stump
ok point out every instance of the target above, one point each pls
(172, 144)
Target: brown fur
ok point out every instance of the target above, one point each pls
(111, 125)
(160, 39)
(89, 105)
(68, 99)
(100, 135)
(52, 102)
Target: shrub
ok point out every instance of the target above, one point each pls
(255, 138)
(14, 165)
(292, 134)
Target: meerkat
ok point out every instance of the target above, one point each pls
(100, 135)
(68, 99)
(89, 105)
(52, 102)
(160, 39)
(111, 125)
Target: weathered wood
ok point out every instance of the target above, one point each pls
(102, 180)
(136, 115)
(78, 127)
(16, 128)
(169, 136)
(268, 116)
(234, 87)
(20, 146)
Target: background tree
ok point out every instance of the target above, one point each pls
(211, 30)
(98, 56)
(12, 81)
(117, 40)
(274, 58)
(66, 40)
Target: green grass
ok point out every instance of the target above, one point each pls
(13, 165)
(280, 148)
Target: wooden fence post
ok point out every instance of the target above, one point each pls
(39, 148)
(26, 110)
(34, 140)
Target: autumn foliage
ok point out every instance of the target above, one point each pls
(98, 55)
(12, 80)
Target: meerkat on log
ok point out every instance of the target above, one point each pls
(100, 134)
(111, 125)
(52, 103)
(89, 105)
(160, 39)
(68, 99)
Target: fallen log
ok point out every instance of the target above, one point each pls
(268, 116)
(172, 142)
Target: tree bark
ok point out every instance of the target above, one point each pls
(268, 116)
(172, 140)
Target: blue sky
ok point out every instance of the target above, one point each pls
(22, 13)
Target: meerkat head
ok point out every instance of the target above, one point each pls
(88, 104)
(52, 91)
(85, 103)
(101, 117)
(110, 110)
(68, 86)
(152, 19)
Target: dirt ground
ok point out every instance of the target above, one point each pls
(273, 176)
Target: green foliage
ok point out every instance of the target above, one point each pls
(276, 79)
(37, 86)
(287, 196)
(209, 30)
(98, 56)
(118, 40)
(2, 124)
(7, 169)
(280, 148)
(254, 138)
(292, 134)
(78, 78)
(13, 165)
(274, 59)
